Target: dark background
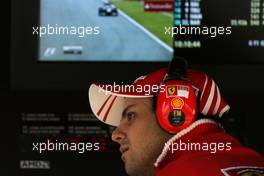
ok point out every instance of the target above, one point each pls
(30, 86)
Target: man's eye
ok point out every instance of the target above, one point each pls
(130, 116)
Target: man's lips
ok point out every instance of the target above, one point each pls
(123, 150)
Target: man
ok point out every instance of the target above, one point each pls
(159, 132)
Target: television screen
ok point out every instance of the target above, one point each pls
(95, 30)
(226, 31)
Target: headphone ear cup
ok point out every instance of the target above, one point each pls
(175, 105)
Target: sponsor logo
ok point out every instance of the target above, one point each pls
(177, 103)
(165, 6)
(34, 164)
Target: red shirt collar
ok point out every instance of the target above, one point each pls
(197, 129)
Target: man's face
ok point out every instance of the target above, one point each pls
(140, 137)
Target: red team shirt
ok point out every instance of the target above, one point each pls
(200, 156)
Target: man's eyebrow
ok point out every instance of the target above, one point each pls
(125, 110)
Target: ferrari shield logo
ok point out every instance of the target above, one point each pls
(171, 91)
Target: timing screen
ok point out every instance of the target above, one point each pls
(221, 31)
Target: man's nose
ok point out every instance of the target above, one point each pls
(118, 135)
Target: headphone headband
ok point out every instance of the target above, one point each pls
(177, 69)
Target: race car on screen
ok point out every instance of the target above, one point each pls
(108, 9)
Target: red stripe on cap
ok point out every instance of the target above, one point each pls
(102, 107)
(213, 104)
(206, 94)
(109, 108)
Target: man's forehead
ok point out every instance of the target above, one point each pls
(141, 104)
(136, 101)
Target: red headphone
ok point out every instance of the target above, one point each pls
(176, 99)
